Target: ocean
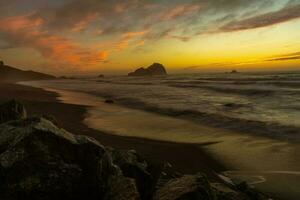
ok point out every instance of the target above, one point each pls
(251, 120)
(268, 102)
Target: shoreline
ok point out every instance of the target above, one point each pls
(257, 160)
(265, 163)
(186, 158)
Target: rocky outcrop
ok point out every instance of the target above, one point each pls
(198, 187)
(188, 187)
(154, 69)
(12, 110)
(39, 161)
(134, 166)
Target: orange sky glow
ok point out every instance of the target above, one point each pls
(114, 37)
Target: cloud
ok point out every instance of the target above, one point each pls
(123, 43)
(180, 11)
(182, 38)
(264, 20)
(77, 15)
(25, 31)
(291, 56)
(69, 32)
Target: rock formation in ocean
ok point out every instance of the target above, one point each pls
(154, 69)
(39, 161)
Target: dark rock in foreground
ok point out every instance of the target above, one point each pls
(12, 110)
(187, 187)
(154, 69)
(134, 166)
(39, 161)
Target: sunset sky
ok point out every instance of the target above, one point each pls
(116, 36)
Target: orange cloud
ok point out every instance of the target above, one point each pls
(179, 11)
(134, 34)
(82, 24)
(20, 22)
(25, 31)
(123, 43)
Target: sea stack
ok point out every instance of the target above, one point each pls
(152, 70)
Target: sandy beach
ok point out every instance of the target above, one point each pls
(269, 164)
(186, 158)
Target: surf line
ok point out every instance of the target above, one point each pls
(262, 172)
(259, 178)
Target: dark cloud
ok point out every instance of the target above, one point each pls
(264, 20)
(291, 56)
(119, 16)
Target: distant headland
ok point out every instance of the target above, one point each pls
(12, 74)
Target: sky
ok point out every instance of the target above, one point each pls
(116, 36)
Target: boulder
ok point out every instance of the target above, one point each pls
(224, 192)
(50, 118)
(134, 166)
(122, 188)
(154, 69)
(187, 187)
(198, 187)
(250, 192)
(40, 161)
(12, 110)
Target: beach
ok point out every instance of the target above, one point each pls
(70, 117)
(221, 139)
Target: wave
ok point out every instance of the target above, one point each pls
(266, 129)
(241, 91)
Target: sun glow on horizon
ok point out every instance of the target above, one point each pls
(186, 36)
